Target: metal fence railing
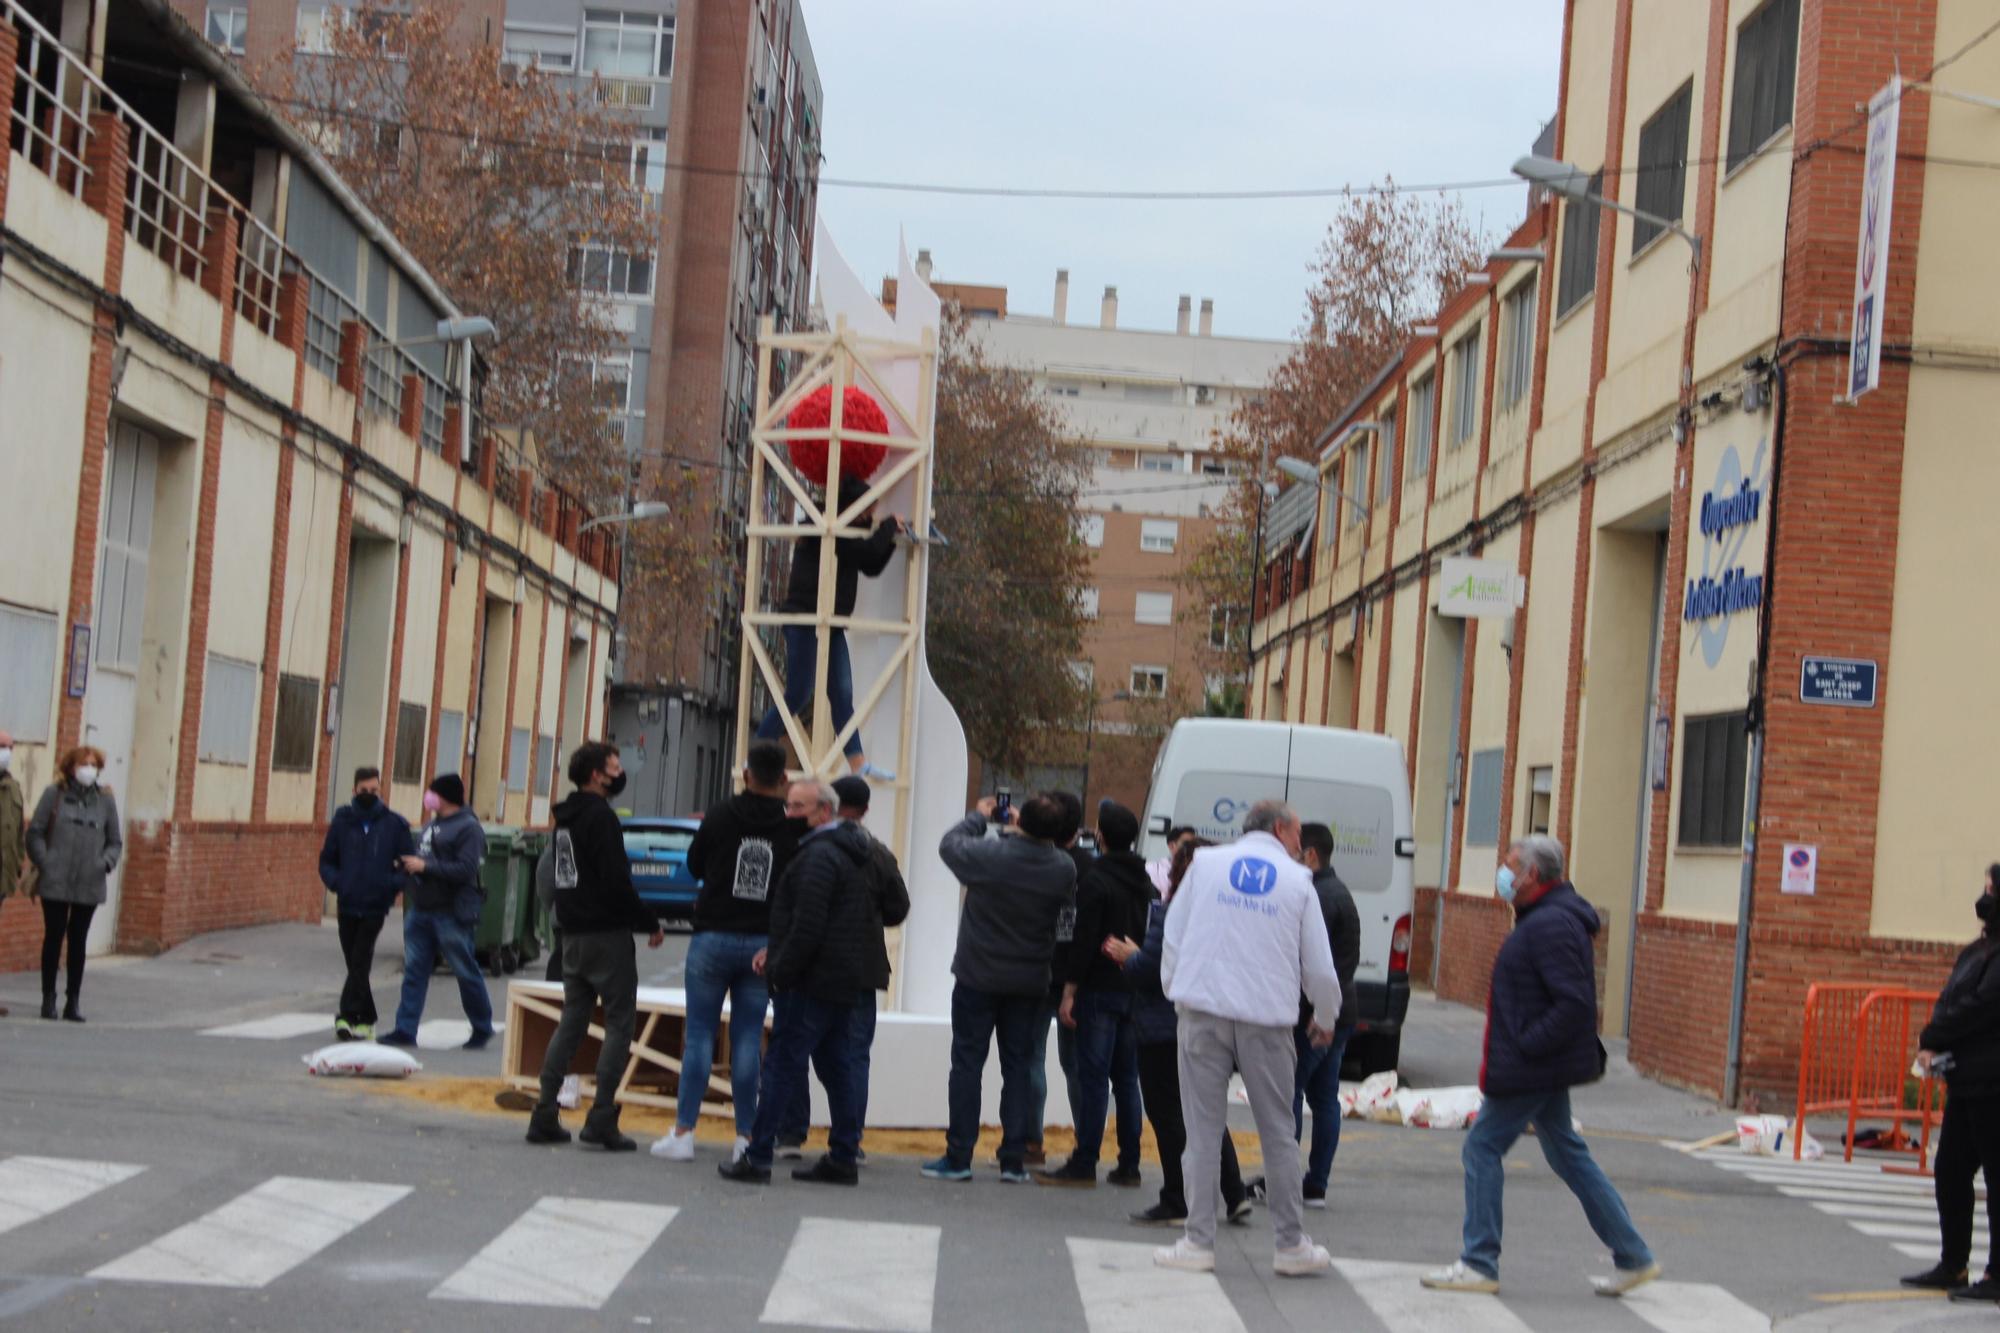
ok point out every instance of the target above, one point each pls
(260, 268)
(167, 198)
(48, 125)
(326, 311)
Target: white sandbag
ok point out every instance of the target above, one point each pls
(1401, 1106)
(361, 1059)
(1446, 1108)
(1374, 1094)
(1770, 1136)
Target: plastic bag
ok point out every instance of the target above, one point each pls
(1376, 1092)
(1769, 1136)
(361, 1059)
(1446, 1108)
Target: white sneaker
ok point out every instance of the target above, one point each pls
(677, 1146)
(571, 1093)
(1624, 1281)
(1186, 1256)
(1302, 1260)
(742, 1146)
(1460, 1278)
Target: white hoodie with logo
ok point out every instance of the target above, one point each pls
(1244, 936)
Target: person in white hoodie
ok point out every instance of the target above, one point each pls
(1244, 937)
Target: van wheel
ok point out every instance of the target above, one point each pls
(1375, 1052)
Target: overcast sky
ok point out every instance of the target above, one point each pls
(1164, 94)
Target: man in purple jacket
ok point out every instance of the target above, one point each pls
(1541, 1041)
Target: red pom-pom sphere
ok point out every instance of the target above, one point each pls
(860, 412)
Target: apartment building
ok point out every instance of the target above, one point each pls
(260, 535)
(724, 104)
(1746, 693)
(1149, 404)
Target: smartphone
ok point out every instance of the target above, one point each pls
(1003, 806)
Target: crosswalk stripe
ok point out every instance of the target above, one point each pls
(561, 1252)
(1917, 1251)
(33, 1187)
(1883, 1212)
(1695, 1307)
(445, 1034)
(1913, 1203)
(256, 1237)
(1845, 1175)
(1393, 1293)
(275, 1027)
(1869, 1187)
(1123, 1291)
(868, 1275)
(1905, 1231)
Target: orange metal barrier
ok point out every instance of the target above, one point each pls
(1855, 1052)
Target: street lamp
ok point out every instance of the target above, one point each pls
(643, 509)
(1300, 470)
(458, 329)
(1573, 183)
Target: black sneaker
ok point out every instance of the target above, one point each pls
(1986, 1290)
(477, 1042)
(395, 1038)
(1127, 1176)
(791, 1150)
(1239, 1213)
(1162, 1215)
(607, 1137)
(547, 1131)
(1315, 1197)
(744, 1172)
(1254, 1187)
(1070, 1175)
(1936, 1279)
(826, 1171)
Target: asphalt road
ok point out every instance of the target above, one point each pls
(154, 1177)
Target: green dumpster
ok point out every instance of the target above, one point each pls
(500, 878)
(524, 924)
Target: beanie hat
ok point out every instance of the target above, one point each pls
(449, 788)
(852, 791)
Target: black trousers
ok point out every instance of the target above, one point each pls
(357, 946)
(601, 967)
(1160, 1087)
(1968, 1140)
(64, 921)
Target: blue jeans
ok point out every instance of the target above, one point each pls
(426, 936)
(860, 1044)
(976, 1018)
(1107, 1064)
(801, 648)
(1038, 1071)
(1318, 1085)
(1501, 1121)
(808, 1031)
(718, 965)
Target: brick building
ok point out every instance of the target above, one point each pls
(723, 100)
(1689, 555)
(258, 538)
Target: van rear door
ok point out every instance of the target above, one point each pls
(1225, 771)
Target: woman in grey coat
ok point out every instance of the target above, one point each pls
(74, 842)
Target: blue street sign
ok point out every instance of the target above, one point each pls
(1840, 681)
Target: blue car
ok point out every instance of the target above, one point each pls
(657, 848)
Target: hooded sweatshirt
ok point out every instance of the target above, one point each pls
(453, 847)
(1015, 888)
(1111, 902)
(739, 853)
(1245, 936)
(604, 900)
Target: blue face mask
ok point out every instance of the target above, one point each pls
(1503, 883)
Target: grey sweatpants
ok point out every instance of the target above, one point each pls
(596, 967)
(1211, 1049)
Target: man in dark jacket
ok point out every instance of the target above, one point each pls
(741, 850)
(1016, 886)
(1070, 839)
(820, 956)
(1541, 1041)
(1111, 903)
(442, 908)
(852, 557)
(599, 911)
(1318, 1080)
(361, 865)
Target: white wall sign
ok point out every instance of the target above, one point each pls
(1801, 869)
(1871, 262)
(1475, 588)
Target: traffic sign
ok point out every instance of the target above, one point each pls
(1840, 681)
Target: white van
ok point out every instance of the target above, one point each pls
(1212, 770)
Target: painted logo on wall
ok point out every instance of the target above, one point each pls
(1730, 511)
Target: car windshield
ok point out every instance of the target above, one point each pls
(666, 839)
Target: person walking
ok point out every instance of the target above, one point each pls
(13, 828)
(852, 557)
(1112, 901)
(441, 908)
(1157, 1027)
(599, 911)
(1961, 1044)
(1070, 838)
(741, 850)
(1243, 939)
(1317, 1084)
(74, 841)
(820, 956)
(1541, 1041)
(361, 865)
(1016, 886)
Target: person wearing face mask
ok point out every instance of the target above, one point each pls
(74, 841)
(360, 864)
(13, 827)
(442, 906)
(1541, 1041)
(599, 911)
(1961, 1044)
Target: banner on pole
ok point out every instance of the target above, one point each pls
(1871, 262)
